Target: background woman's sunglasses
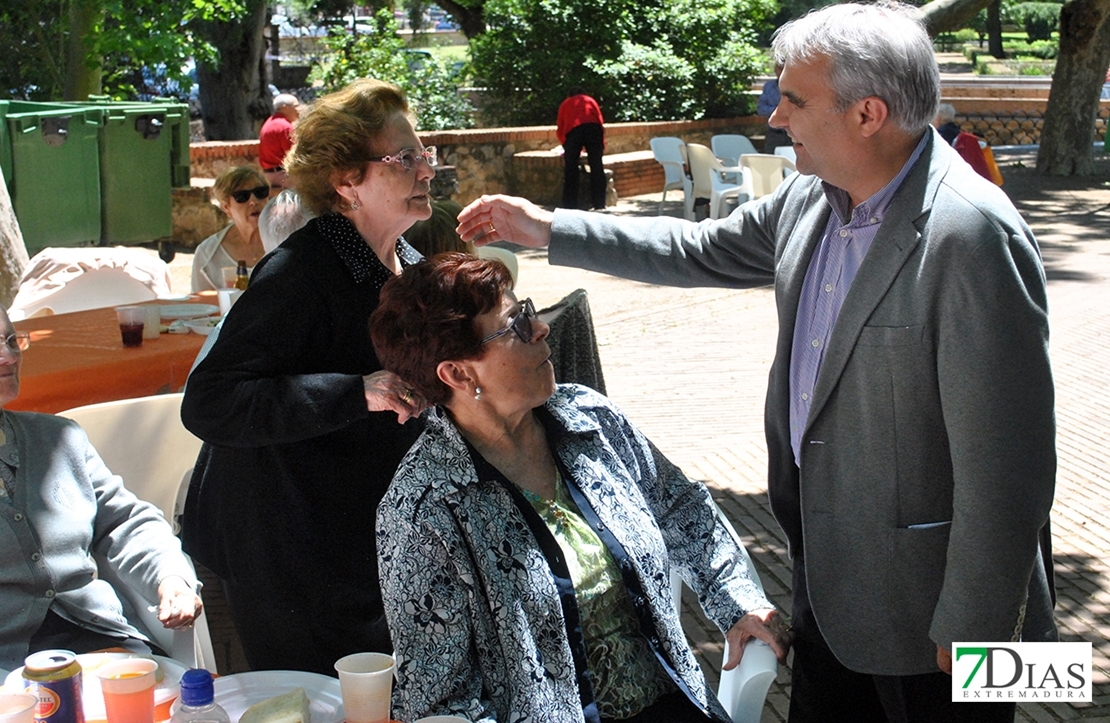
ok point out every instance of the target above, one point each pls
(244, 195)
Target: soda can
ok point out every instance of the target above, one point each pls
(54, 677)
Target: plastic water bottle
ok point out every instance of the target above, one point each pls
(197, 703)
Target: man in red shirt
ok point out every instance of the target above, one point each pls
(579, 126)
(276, 139)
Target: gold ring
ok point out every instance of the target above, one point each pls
(491, 228)
(407, 396)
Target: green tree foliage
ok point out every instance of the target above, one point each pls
(1039, 19)
(641, 59)
(120, 37)
(381, 54)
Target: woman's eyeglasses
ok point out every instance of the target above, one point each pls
(409, 157)
(521, 324)
(16, 342)
(243, 196)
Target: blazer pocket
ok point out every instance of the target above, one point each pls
(891, 335)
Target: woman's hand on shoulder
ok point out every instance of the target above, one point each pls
(386, 391)
(767, 625)
(178, 603)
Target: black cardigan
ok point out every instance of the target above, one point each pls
(283, 499)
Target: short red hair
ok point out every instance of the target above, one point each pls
(426, 316)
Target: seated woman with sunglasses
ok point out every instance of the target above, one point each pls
(526, 543)
(299, 420)
(242, 192)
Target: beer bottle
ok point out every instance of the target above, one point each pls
(241, 277)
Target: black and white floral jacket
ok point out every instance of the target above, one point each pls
(476, 591)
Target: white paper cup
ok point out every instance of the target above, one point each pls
(17, 707)
(228, 274)
(366, 684)
(152, 322)
(227, 298)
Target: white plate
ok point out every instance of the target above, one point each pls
(204, 327)
(188, 311)
(165, 692)
(235, 693)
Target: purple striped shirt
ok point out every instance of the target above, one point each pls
(848, 236)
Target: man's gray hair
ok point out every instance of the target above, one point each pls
(285, 99)
(283, 215)
(877, 50)
(946, 113)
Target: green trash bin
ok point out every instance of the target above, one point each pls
(49, 153)
(136, 172)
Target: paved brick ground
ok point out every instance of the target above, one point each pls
(689, 366)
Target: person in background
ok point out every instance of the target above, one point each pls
(59, 506)
(945, 122)
(242, 193)
(283, 215)
(910, 422)
(579, 126)
(527, 540)
(298, 418)
(769, 100)
(276, 138)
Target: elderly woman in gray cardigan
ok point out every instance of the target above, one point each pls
(59, 506)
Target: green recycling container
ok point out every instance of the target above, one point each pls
(136, 171)
(51, 163)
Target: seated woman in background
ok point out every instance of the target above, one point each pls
(59, 505)
(526, 543)
(242, 192)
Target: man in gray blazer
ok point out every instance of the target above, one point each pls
(909, 417)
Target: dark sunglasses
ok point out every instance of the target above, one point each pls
(521, 324)
(245, 195)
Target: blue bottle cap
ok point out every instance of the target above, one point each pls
(196, 687)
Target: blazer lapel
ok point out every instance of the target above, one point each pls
(898, 237)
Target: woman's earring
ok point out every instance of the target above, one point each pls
(356, 205)
(478, 393)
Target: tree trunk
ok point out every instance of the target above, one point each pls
(470, 19)
(13, 252)
(233, 96)
(1068, 134)
(943, 16)
(83, 68)
(994, 29)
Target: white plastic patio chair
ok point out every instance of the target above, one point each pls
(143, 441)
(767, 171)
(671, 154)
(729, 147)
(707, 173)
(93, 289)
(742, 690)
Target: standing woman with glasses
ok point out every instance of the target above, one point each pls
(303, 430)
(242, 193)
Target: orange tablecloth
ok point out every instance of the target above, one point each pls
(79, 358)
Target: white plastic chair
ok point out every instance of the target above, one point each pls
(787, 152)
(729, 147)
(707, 174)
(93, 289)
(767, 171)
(143, 441)
(670, 153)
(742, 690)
